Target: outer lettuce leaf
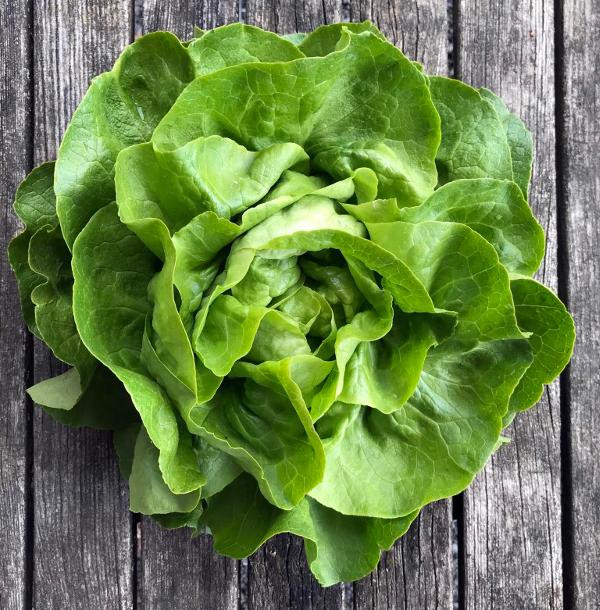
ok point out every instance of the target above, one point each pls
(238, 43)
(87, 395)
(338, 547)
(27, 278)
(112, 269)
(122, 107)
(497, 211)
(552, 338)
(41, 261)
(149, 494)
(474, 141)
(390, 465)
(49, 258)
(519, 141)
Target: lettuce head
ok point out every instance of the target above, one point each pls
(294, 276)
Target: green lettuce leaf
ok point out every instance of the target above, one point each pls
(122, 107)
(238, 43)
(338, 547)
(474, 141)
(497, 211)
(519, 141)
(540, 313)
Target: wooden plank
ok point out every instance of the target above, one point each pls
(15, 159)
(278, 577)
(82, 534)
(581, 111)
(180, 16)
(513, 511)
(183, 573)
(175, 570)
(285, 16)
(418, 571)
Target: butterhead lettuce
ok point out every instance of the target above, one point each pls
(294, 276)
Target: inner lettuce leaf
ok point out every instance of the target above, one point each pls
(294, 275)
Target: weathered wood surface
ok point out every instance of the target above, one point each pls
(286, 16)
(67, 539)
(15, 159)
(512, 531)
(178, 572)
(278, 577)
(180, 16)
(82, 528)
(417, 572)
(419, 28)
(581, 163)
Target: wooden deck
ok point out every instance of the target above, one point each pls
(525, 535)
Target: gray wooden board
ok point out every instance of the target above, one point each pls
(175, 570)
(82, 528)
(15, 154)
(417, 573)
(180, 16)
(83, 549)
(512, 530)
(180, 572)
(581, 162)
(286, 16)
(278, 577)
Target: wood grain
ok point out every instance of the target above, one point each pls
(581, 138)
(513, 510)
(286, 16)
(180, 16)
(179, 572)
(278, 577)
(82, 538)
(84, 553)
(417, 573)
(175, 570)
(15, 159)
